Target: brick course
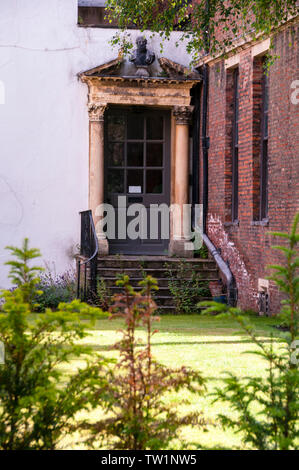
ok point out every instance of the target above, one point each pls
(247, 245)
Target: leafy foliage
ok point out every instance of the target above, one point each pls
(286, 278)
(37, 401)
(215, 23)
(202, 253)
(22, 275)
(137, 417)
(55, 289)
(103, 297)
(186, 288)
(276, 426)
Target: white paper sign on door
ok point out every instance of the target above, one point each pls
(135, 189)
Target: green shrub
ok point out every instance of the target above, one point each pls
(55, 289)
(137, 417)
(186, 288)
(276, 425)
(104, 295)
(202, 253)
(38, 402)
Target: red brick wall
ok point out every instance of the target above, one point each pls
(247, 246)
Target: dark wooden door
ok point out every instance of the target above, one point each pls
(137, 169)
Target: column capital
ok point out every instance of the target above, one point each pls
(96, 111)
(183, 114)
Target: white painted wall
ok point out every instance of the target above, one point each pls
(44, 123)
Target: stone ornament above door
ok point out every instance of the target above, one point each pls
(110, 83)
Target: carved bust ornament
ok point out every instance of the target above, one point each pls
(142, 57)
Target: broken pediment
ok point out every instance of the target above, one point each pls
(111, 68)
(167, 69)
(176, 71)
(142, 65)
(142, 81)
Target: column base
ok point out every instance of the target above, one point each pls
(103, 247)
(180, 248)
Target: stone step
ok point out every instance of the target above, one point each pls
(161, 297)
(163, 290)
(170, 301)
(171, 309)
(162, 282)
(153, 262)
(164, 270)
(210, 274)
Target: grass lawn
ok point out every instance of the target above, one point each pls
(208, 344)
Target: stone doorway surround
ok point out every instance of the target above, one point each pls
(107, 86)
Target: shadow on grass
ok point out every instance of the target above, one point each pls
(110, 347)
(190, 324)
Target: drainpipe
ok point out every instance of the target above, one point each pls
(205, 142)
(196, 101)
(225, 271)
(222, 265)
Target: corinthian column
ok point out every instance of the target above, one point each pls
(96, 169)
(179, 243)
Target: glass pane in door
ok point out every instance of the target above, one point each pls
(154, 127)
(154, 154)
(135, 154)
(116, 181)
(154, 181)
(135, 127)
(116, 154)
(116, 127)
(135, 181)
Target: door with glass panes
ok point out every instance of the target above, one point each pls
(137, 178)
